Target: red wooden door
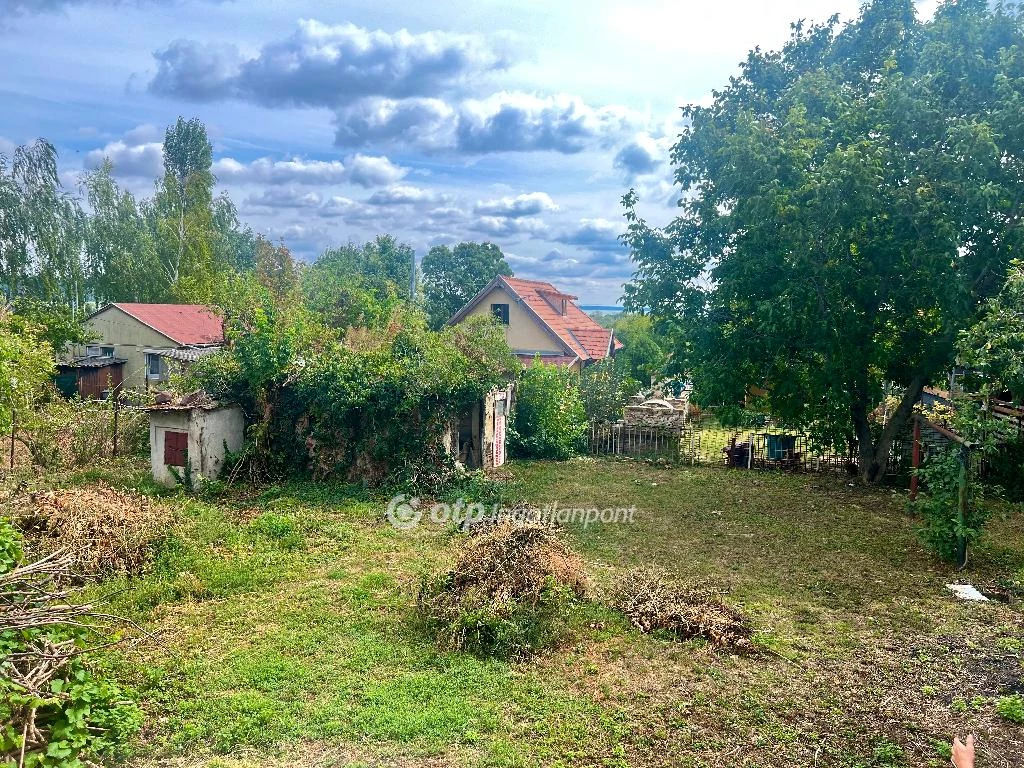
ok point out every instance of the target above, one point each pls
(175, 446)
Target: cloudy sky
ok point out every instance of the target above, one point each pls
(519, 123)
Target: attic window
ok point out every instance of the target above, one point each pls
(500, 311)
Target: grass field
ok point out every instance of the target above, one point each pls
(282, 633)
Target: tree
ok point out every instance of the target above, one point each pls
(849, 203)
(453, 276)
(120, 254)
(275, 268)
(182, 214)
(549, 420)
(54, 323)
(642, 356)
(995, 345)
(359, 285)
(26, 367)
(41, 228)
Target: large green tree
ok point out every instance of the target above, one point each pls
(182, 214)
(849, 203)
(41, 228)
(453, 276)
(359, 285)
(120, 252)
(995, 345)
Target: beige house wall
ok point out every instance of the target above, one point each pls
(128, 337)
(524, 332)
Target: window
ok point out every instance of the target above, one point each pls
(92, 351)
(106, 351)
(154, 367)
(175, 448)
(500, 311)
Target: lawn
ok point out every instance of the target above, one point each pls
(281, 632)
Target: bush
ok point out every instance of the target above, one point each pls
(54, 707)
(605, 390)
(513, 591)
(938, 505)
(549, 420)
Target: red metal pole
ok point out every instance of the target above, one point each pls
(916, 458)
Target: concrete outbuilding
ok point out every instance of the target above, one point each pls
(192, 436)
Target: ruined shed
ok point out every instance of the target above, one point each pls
(192, 437)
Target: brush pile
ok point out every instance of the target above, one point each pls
(653, 602)
(511, 590)
(106, 530)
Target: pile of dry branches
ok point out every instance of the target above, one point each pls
(512, 561)
(652, 601)
(505, 573)
(32, 597)
(108, 531)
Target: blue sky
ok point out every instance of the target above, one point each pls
(521, 123)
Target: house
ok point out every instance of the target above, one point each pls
(150, 337)
(541, 320)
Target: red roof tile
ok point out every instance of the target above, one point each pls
(576, 329)
(185, 324)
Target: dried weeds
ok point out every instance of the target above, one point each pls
(653, 602)
(106, 530)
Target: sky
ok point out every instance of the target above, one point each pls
(519, 123)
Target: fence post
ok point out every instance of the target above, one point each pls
(961, 511)
(916, 458)
(117, 408)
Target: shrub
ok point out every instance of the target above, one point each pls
(605, 389)
(938, 505)
(549, 419)
(70, 433)
(513, 591)
(55, 709)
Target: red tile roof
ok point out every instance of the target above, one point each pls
(185, 324)
(580, 333)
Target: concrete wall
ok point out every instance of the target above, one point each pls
(208, 431)
(128, 337)
(524, 331)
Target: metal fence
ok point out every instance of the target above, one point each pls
(703, 440)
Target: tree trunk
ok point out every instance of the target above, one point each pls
(874, 456)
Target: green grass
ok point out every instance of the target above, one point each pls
(282, 632)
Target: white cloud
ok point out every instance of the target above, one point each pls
(529, 204)
(326, 65)
(364, 170)
(404, 194)
(129, 161)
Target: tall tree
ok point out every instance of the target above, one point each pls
(121, 259)
(41, 228)
(182, 213)
(453, 276)
(849, 203)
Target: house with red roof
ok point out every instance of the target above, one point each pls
(541, 320)
(152, 338)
